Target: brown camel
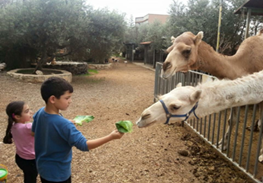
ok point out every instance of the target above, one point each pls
(189, 52)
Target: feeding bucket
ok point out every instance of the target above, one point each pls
(3, 173)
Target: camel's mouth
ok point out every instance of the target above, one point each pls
(147, 125)
(169, 73)
(166, 74)
(182, 69)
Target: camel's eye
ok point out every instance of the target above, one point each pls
(174, 107)
(186, 53)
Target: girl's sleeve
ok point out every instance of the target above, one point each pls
(28, 126)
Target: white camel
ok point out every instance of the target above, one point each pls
(211, 97)
(189, 52)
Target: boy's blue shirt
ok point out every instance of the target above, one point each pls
(54, 138)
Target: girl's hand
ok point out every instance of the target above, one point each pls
(116, 134)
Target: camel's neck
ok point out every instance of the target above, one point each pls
(216, 64)
(220, 95)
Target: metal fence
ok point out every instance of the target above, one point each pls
(242, 145)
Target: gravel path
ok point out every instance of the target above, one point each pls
(145, 155)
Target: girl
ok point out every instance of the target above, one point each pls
(20, 131)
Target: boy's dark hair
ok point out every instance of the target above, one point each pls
(55, 86)
(12, 109)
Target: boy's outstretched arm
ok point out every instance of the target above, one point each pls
(92, 144)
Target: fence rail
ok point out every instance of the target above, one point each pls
(243, 144)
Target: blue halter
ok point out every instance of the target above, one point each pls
(169, 115)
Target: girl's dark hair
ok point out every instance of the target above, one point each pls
(12, 109)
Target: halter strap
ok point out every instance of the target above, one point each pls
(169, 115)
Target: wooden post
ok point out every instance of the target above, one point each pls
(146, 53)
(132, 48)
(219, 26)
(154, 58)
(248, 22)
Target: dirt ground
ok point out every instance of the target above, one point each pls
(157, 154)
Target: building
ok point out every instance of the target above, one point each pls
(150, 18)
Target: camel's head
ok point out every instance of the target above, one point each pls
(179, 101)
(182, 54)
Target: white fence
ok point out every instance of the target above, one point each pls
(242, 144)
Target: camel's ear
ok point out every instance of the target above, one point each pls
(194, 97)
(159, 97)
(179, 85)
(168, 50)
(199, 37)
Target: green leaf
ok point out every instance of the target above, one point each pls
(80, 119)
(124, 126)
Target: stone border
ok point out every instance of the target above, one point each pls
(39, 78)
(76, 68)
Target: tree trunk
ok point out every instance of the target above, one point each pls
(42, 61)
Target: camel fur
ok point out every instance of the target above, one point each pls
(212, 97)
(189, 52)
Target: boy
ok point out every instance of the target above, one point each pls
(55, 135)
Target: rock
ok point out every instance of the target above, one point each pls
(38, 72)
(183, 152)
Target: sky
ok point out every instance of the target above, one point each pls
(134, 8)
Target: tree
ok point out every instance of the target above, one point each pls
(198, 15)
(106, 34)
(157, 34)
(38, 28)
(202, 15)
(43, 26)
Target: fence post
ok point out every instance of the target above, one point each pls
(156, 80)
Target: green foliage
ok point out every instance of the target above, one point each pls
(106, 33)
(195, 16)
(155, 32)
(93, 71)
(38, 28)
(90, 72)
(198, 15)
(43, 26)
(131, 33)
(80, 119)
(124, 126)
(202, 15)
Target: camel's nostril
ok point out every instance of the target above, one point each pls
(166, 65)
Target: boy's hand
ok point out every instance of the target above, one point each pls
(116, 134)
(72, 121)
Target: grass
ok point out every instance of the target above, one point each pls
(93, 71)
(85, 77)
(90, 72)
